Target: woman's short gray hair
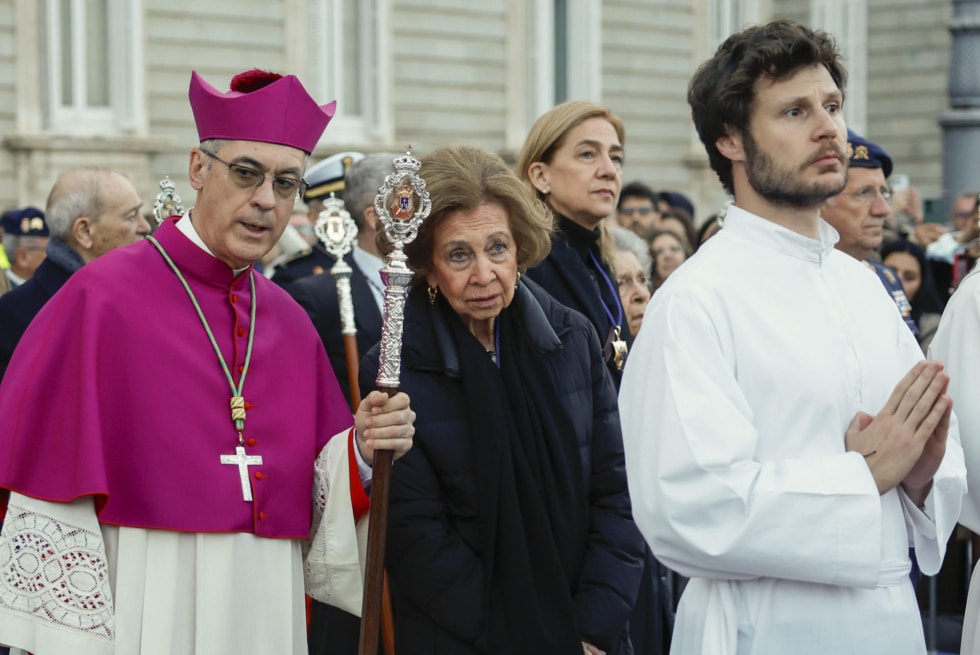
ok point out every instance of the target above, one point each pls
(624, 239)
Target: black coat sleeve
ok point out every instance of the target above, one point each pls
(609, 581)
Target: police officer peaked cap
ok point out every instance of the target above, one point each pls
(861, 153)
(328, 176)
(26, 222)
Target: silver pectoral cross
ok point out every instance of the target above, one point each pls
(243, 461)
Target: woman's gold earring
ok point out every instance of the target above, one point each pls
(432, 294)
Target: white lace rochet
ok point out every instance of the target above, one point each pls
(57, 576)
(53, 571)
(333, 558)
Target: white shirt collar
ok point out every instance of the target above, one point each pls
(763, 231)
(15, 280)
(186, 226)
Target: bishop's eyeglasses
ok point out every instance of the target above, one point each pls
(245, 177)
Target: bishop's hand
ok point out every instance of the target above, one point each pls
(384, 423)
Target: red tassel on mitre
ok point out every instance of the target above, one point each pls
(261, 106)
(253, 80)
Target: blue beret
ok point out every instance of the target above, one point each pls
(861, 153)
(678, 200)
(328, 175)
(26, 222)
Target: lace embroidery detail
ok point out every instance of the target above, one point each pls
(315, 550)
(333, 556)
(55, 572)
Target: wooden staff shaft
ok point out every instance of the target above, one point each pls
(353, 366)
(377, 534)
(387, 614)
(387, 619)
(402, 195)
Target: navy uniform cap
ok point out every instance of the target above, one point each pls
(861, 153)
(327, 176)
(26, 222)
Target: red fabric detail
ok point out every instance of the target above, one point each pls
(359, 499)
(253, 80)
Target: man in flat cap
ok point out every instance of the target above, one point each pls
(858, 214)
(90, 211)
(324, 178)
(164, 414)
(25, 237)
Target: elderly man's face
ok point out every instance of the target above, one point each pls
(241, 223)
(29, 255)
(121, 223)
(858, 213)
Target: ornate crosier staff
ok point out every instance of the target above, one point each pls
(402, 204)
(337, 231)
(167, 202)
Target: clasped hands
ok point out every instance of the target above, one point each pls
(905, 443)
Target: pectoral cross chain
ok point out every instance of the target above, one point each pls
(243, 461)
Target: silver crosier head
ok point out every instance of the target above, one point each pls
(402, 202)
(167, 202)
(335, 227)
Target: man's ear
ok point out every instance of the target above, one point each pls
(195, 170)
(81, 232)
(370, 218)
(730, 146)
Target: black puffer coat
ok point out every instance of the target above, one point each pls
(434, 538)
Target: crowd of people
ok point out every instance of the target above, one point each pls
(619, 429)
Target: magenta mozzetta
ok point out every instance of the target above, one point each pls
(178, 481)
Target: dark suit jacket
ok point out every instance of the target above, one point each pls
(315, 261)
(19, 306)
(317, 294)
(566, 277)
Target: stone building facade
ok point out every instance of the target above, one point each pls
(105, 81)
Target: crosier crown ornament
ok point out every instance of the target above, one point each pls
(402, 204)
(167, 202)
(337, 231)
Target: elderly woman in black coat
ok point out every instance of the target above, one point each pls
(510, 528)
